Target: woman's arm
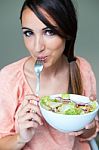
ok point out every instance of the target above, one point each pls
(12, 142)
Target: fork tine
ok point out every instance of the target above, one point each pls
(39, 61)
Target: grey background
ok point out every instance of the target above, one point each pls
(87, 44)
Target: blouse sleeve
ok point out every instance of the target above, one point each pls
(89, 83)
(12, 92)
(7, 104)
(88, 78)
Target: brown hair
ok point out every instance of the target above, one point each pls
(64, 14)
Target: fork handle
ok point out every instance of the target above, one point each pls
(38, 84)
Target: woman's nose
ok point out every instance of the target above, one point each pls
(39, 44)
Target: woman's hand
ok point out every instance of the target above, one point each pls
(28, 118)
(90, 130)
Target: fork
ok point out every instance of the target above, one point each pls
(38, 67)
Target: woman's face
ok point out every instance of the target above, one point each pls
(40, 40)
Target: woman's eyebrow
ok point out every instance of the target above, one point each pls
(55, 27)
(26, 28)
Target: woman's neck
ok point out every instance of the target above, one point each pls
(51, 71)
(56, 69)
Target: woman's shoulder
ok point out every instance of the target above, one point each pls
(88, 76)
(83, 63)
(13, 67)
(12, 70)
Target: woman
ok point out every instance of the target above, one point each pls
(49, 32)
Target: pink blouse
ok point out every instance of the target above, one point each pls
(13, 88)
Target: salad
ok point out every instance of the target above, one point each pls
(64, 105)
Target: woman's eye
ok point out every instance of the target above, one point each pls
(49, 32)
(28, 33)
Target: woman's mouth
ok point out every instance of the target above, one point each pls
(43, 58)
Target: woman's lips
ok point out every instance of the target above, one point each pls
(43, 58)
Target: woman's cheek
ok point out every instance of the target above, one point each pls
(29, 44)
(55, 43)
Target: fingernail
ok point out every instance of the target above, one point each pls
(87, 127)
(70, 133)
(35, 102)
(31, 101)
(41, 123)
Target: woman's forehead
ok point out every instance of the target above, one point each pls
(28, 16)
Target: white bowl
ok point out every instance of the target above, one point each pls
(69, 123)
